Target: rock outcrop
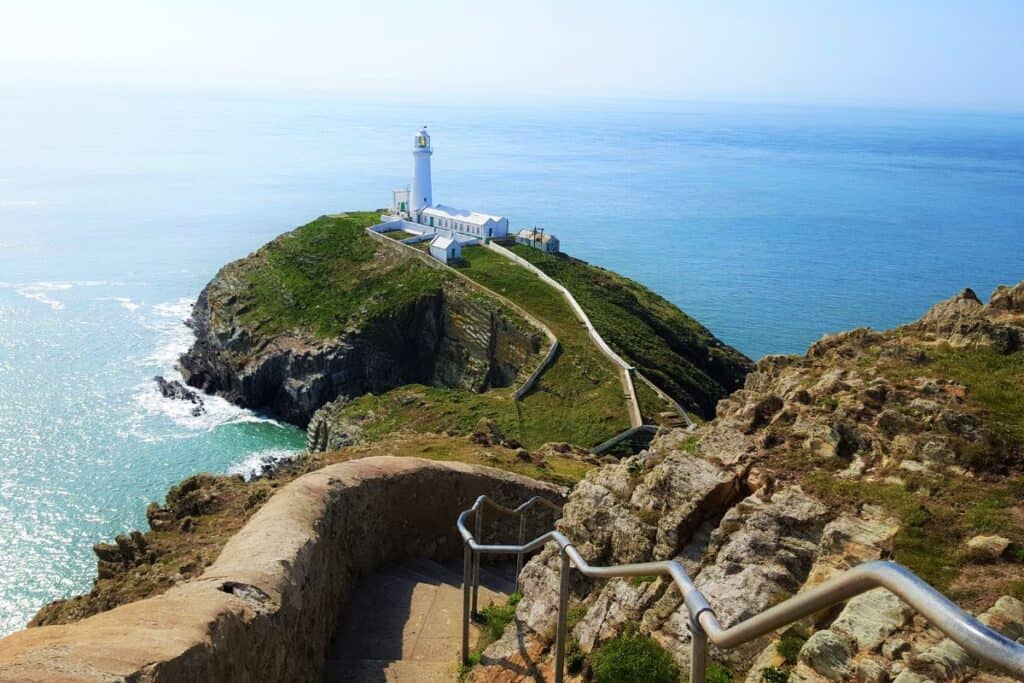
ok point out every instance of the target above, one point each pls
(875, 445)
(174, 389)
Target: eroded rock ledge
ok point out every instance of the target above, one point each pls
(266, 608)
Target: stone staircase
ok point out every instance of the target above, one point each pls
(403, 623)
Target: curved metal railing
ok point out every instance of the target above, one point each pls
(973, 636)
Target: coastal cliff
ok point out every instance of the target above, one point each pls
(322, 324)
(904, 445)
(325, 312)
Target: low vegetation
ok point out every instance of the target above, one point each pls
(633, 658)
(995, 381)
(675, 351)
(495, 617)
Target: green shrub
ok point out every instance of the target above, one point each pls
(633, 658)
(773, 674)
(717, 673)
(789, 648)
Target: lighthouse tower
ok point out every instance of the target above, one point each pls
(421, 197)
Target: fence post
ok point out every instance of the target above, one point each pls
(476, 558)
(467, 575)
(698, 653)
(519, 555)
(563, 609)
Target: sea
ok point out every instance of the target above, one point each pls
(771, 225)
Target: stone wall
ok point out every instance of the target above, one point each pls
(267, 607)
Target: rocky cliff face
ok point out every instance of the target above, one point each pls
(446, 336)
(905, 445)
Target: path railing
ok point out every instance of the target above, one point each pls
(973, 636)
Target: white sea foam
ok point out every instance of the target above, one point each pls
(254, 464)
(42, 291)
(174, 339)
(124, 301)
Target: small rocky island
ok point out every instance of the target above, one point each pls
(905, 444)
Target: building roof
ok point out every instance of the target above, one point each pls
(442, 241)
(472, 217)
(535, 235)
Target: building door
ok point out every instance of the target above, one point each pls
(401, 206)
(431, 221)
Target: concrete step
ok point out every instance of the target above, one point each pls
(403, 623)
(496, 578)
(386, 671)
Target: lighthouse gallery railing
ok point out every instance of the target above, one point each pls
(973, 636)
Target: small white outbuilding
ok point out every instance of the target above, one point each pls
(445, 248)
(538, 239)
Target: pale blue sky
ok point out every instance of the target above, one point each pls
(918, 54)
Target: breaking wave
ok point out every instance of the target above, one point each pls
(173, 339)
(260, 462)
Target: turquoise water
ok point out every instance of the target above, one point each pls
(772, 226)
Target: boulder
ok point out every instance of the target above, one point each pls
(174, 389)
(987, 548)
(869, 618)
(830, 655)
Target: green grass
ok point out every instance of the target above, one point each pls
(633, 658)
(677, 353)
(399, 235)
(994, 381)
(929, 532)
(421, 408)
(325, 276)
(934, 521)
(579, 399)
(988, 513)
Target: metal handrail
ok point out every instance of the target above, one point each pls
(973, 636)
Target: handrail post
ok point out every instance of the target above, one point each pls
(563, 608)
(519, 555)
(698, 652)
(467, 568)
(476, 558)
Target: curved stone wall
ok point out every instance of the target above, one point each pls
(267, 607)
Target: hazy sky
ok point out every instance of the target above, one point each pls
(928, 53)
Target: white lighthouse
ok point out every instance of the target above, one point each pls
(413, 211)
(422, 197)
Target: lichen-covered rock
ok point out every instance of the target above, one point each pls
(869, 618)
